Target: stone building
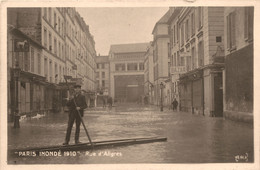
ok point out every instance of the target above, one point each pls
(102, 79)
(53, 35)
(161, 58)
(199, 51)
(239, 56)
(127, 71)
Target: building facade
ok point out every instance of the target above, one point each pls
(198, 59)
(149, 75)
(53, 35)
(102, 74)
(161, 58)
(238, 73)
(127, 71)
(102, 79)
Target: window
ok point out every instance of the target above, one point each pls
(103, 74)
(103, 83)
(193, 60)
(192, 24)
(120, 67)
(50, 15)
(45, 13)
(97, 66)
(56, 73)
(141, 66)
(59, 24)
(32, 60)
(174, 60)
(249, 19)
(174, 35)
(231, 31)
(200, 17)
(26, 62)
(103, 65)
(55, 22)
(50, 69)
(182, 34)
(45, 37)
(59, 51)
(45, 67)
(55, 46)
(97, 74)
(132, 66)
(39, 63)
(187, 36)
(50, 42)
(200, 53)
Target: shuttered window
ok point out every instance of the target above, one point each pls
(231, 31)
(248, 25)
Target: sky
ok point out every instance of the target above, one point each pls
(121, 25)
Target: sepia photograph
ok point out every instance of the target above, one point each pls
(112, 85)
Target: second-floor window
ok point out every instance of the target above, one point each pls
(200, 54)
(249, 26)
(39, 63)
(231, 31)
(132, 66)
(120, 67)
(32, 60)
(141, 66)
(103, 74)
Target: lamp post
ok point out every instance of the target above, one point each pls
(16, 115)
(161, 87)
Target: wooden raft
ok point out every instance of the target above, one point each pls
(97, 145)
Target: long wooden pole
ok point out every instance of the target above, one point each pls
(81, 118)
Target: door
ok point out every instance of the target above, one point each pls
(218, 95)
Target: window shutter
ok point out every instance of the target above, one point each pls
(228, 31)
(233, 29)
(251, 22)
(246, 23)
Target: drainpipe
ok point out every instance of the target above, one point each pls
(203, 104)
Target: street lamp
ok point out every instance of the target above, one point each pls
(161, 87)
(16, 74)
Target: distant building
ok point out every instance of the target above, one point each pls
(127, 71)
(102, 75)
(239, 56)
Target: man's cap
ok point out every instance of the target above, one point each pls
(77, 85)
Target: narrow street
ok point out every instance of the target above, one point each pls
(190, 138)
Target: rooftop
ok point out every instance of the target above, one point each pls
(129, 48)
(102, 59)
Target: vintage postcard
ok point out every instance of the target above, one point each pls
(129, 85)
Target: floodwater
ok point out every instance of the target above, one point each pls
(190, 138)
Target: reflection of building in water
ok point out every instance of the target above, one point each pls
(127, 71)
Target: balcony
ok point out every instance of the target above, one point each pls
(177, 69)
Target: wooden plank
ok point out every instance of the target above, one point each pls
(97, 144)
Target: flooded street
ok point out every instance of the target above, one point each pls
(190, 138)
